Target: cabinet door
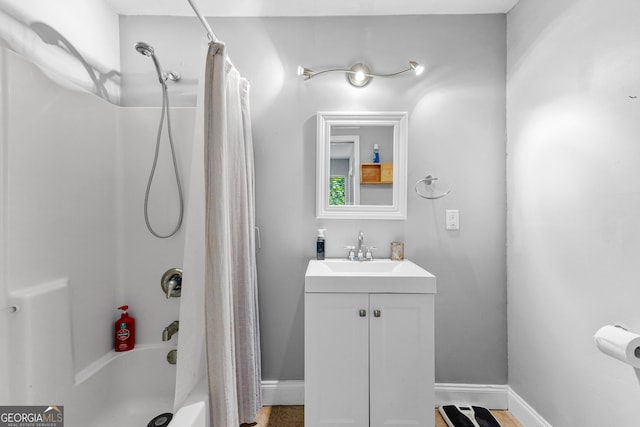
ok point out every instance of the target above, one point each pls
(402, 360)
(336, 360)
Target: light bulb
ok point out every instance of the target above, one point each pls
(358, 75)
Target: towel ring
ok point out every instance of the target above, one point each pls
(428, 180)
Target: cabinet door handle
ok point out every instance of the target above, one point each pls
(363, 313)
(377, 313)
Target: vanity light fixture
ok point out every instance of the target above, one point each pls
(359, 75)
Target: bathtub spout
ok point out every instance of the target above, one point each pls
(170, 330)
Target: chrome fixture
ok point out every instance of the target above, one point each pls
(205, 24)
(172, 357)
(172, 75)
(359, 75)
(360, 252)
(146, 50)
(361, 246)
(428, 180)
(352, 253)
(10, 309)
(170, 330)
(171, 283)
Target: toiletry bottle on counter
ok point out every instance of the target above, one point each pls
(320, 244)
(125, 331)
(376, 153)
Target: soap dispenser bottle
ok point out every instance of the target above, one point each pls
(125, 331)
(320, 244)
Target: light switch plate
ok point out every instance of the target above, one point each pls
(453, 219)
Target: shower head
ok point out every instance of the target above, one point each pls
(144, 49)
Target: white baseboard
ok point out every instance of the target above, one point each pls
(282, 393)
(490, 396)
(523, 412)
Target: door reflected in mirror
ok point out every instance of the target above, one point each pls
(361, 165)
(358, 176)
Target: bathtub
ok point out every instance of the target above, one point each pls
(194, 412)
(123, 389)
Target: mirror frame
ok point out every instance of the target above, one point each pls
(398, 209)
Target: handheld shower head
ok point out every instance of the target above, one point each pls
(144, 49)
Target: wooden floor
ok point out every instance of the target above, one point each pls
(293, 416)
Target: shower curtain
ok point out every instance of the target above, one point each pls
(220, 283)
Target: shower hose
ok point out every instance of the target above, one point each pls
(165, 110)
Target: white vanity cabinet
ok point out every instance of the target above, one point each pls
(369, 358)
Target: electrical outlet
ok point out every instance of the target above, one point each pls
(453, 219)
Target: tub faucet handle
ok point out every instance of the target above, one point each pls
(171, 285)
(171, 282)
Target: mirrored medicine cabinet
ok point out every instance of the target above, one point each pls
(351, 181)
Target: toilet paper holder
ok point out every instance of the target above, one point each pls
(620, 343)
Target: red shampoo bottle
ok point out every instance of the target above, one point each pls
(125, 331)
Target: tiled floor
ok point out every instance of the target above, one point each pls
(293, 416)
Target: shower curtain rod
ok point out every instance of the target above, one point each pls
(212, 37)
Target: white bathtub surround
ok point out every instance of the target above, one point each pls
(72, 236)
(41, 325)
(123, 389)
(193, 412)
(127, 388)
(191, 353)
(77, 50)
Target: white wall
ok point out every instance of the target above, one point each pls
(456, 132)
(74, 41)
(573, 229)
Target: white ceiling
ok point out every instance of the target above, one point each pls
(309, 7)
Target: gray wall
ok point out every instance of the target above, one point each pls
(456, 132)
(574, 234)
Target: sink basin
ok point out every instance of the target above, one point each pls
(378, 276)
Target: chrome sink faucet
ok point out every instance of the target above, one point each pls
(361, 248)
(365, 253)
(360, 252)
